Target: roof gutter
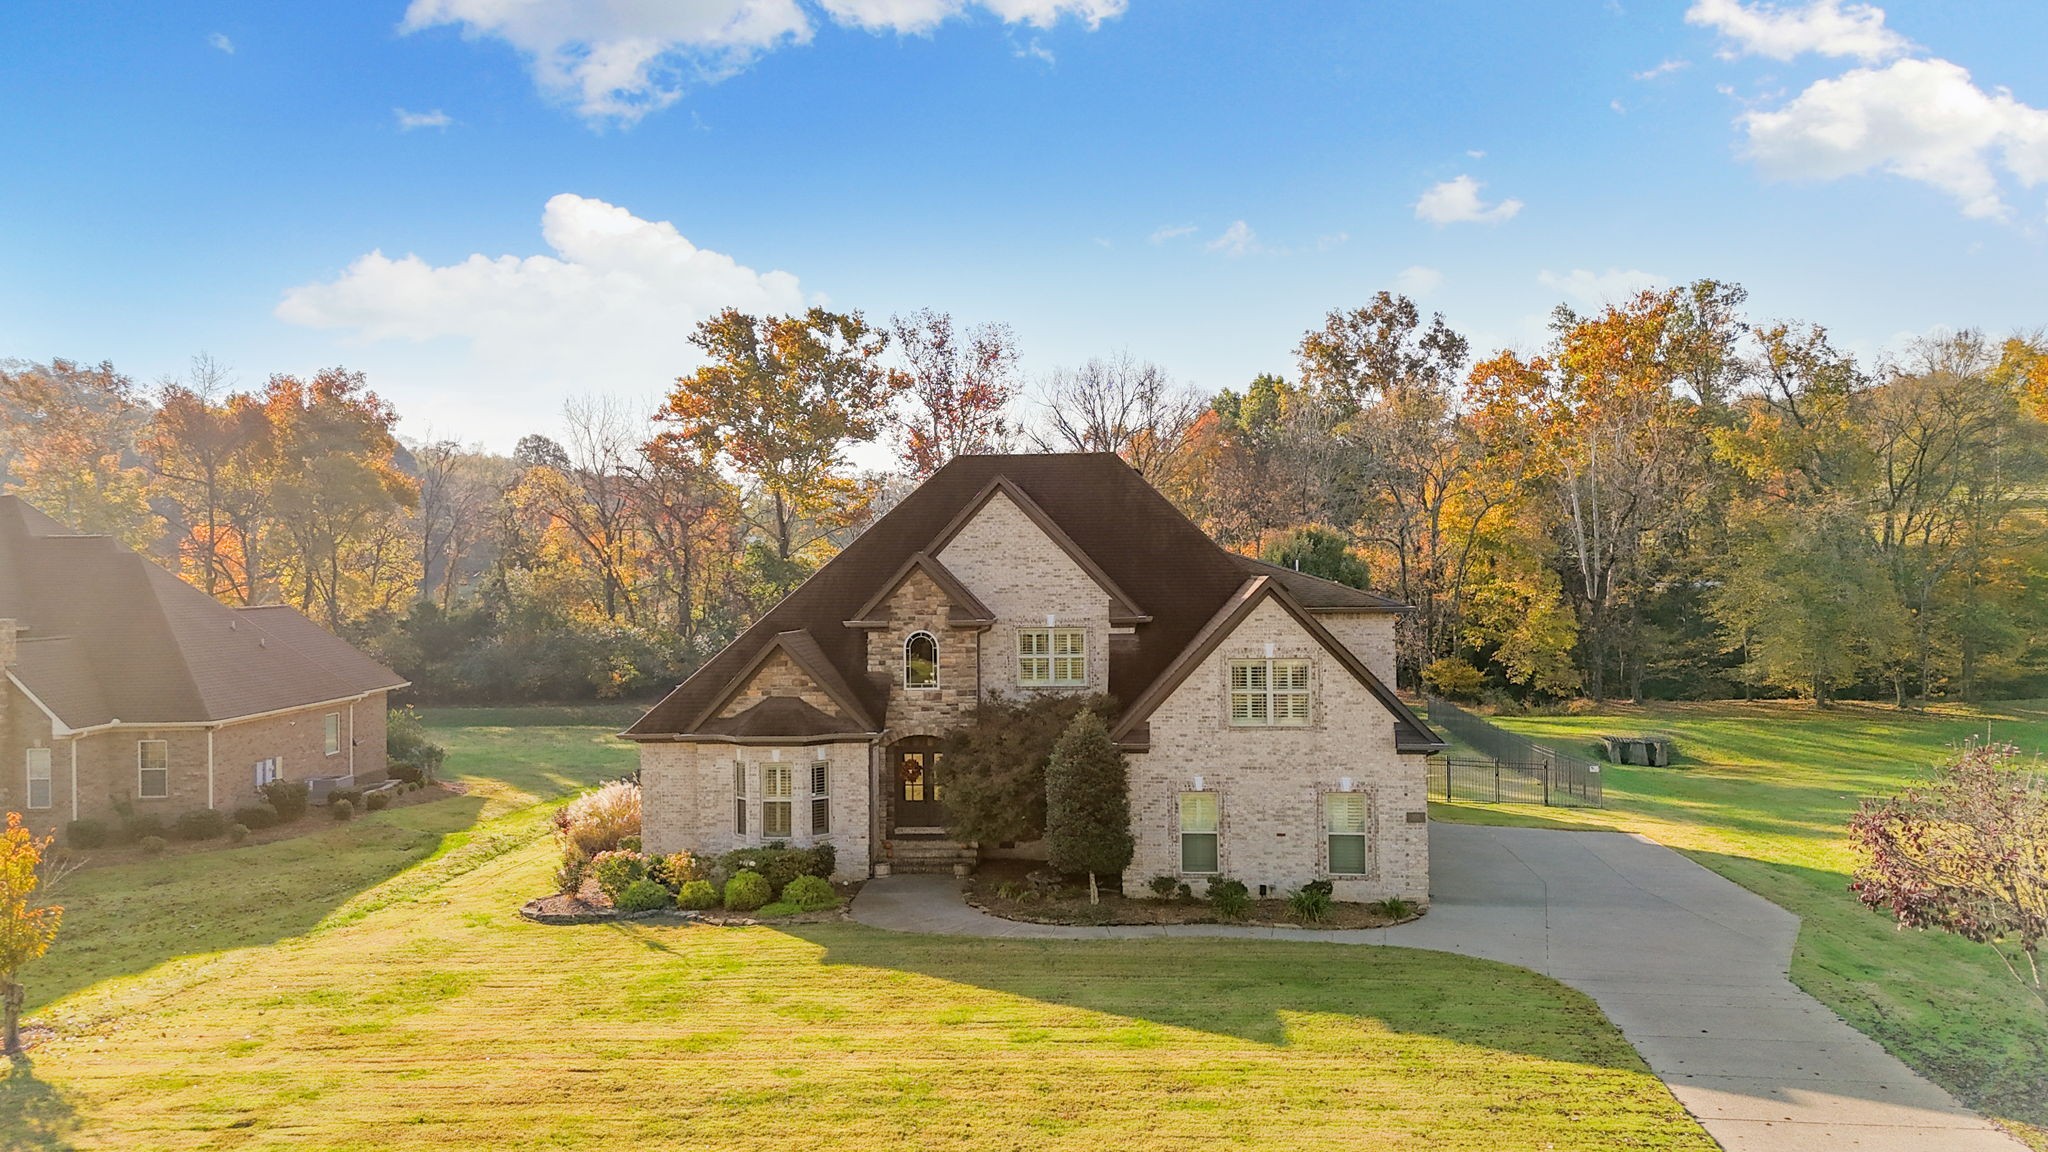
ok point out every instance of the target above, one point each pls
(59, 728)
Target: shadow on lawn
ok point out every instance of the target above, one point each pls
(126, 919)
(33, 1116)
(1250, 989)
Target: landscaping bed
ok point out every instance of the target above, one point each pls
(315, 820)
(589, 905)
(1022, 890)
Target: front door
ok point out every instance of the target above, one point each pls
(918, 784)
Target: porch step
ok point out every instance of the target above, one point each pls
(928, 855)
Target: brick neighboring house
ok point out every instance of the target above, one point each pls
(1263, 740)
(122, 684)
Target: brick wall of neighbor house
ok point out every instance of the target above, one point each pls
(919, 606)
(1270, 781)
(780, 676)
(1369, 635)
(686, 799)
(1023, 577)
(24, 726)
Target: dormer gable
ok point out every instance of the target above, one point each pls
(965, 610)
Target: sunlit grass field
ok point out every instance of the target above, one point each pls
(1762, 794)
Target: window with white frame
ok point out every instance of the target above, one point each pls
(152, 769)
(1200, 820)
(39, 795)
(921, 661)
(1344, 818)
(333, 733)
(1052, 657)
(739, 799)
(1269, 692)
(821, 798)
(269, 770)
(775, 801)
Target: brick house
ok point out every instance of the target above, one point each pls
(1264, 742)
(123, 686)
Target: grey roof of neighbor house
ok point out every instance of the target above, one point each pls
(108, 635)
(1174, 577)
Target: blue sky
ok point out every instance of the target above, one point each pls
(559, 190)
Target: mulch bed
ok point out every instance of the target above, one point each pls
(1069, 905)
(316, 819)
(588, 905)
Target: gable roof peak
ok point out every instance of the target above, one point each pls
(1122, 609)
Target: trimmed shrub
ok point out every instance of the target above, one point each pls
(1230, 898)
(629, 844)
(1311, 903)
(136, 829)
(87, 834)
(617, 871)
(342, 811)
(643, 895)
(404, 773)
(377, 801)
(810, 894)
(257, 817)
(746, 891)
(697, 895)
(237, 833)
(354, 796)
(677, 869)
(289, 797)
(154, 845)
(1163, 886)
(780, 865)
(202, 824)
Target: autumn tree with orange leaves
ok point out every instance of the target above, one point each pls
(26, 927)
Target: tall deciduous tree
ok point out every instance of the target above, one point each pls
(26, 926)
(1122, 405)
(780, 401)
(960, 389)
(1087, 802)
(67, 444)
(210, 454)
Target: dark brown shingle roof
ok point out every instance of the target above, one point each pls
(111, 636)
(1160, 566)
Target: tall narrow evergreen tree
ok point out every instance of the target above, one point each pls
(1088, 802)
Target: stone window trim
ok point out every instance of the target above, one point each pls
(1052, 656)
(913, 679)
(37, 771)
(152, 770)
(1362, 799)
(1227, 658)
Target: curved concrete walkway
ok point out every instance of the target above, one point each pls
(1690, 966)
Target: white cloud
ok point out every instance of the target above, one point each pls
(1165, 232)
(1034, 51)
(1458, 202)
(1618, 107)
(619, 60)
(220, 40)
(1828, 27)
(1476, 153)
(1417, 281)
(1924, 120)
(611, 309)
(1663, 69)
(1593, 289)
(1236, 240)
(407, 121)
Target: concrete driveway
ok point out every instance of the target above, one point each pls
(1690, 966)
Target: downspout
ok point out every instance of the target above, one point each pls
(209, 767)
(351, 742)
(74, 777)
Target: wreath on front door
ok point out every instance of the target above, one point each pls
(911, 771)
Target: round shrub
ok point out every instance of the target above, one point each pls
(616, 871)
(353, 795)
(677, 869)
(154, 845)
(747, 891)
(697, 895)
(1231, 899)
(643, 895)
(289, 797)
(136, 829)
(257, 817)
(202, 824)
(377, 801)
(88, 834)
(342, 811)
(810, 894)
(238, 833)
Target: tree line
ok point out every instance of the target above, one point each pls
(1668, 499)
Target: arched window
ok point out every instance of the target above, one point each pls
(920, 661)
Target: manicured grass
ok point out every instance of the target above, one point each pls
(446, 1022)
(1762, 793)
(373, 988)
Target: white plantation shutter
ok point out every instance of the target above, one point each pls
(776, 787)
(1290, 692)
(1199, 823)
(1269, 692)
(1344, 817)
(821, 798)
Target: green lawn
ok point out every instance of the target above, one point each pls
(1761, 793)
(369, 986)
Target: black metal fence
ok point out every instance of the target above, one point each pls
(1518, 770)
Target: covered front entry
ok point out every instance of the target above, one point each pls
(919, 782)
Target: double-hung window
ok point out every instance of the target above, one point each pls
(1052, 657)
(1265, 693)
(152, 769)
(39, 778)
(268, 769)
(332, 731)
(1344, 818)
(739, 799)
(775, 801)
(1199, 824)
(821, 798)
